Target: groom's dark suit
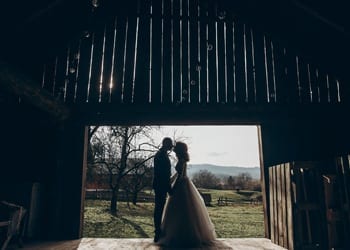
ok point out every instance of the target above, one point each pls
(161, 185)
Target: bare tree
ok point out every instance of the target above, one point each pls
(114, 147)
(205, 179)
(243, 180)
(138, 179)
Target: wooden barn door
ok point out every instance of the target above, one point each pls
(297, 212)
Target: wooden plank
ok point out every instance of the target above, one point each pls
(142, 84)
(166, 53)
(303, 79)
(72, 72)
(202, 57)
(156, 31)
(193, 57)
(129, 59)
(221, 58)
(211, 53)
(82, 74)
(270, 83)
(94, 84)
(321, 79)
(314, 97)
(230, 59)
(291, 76)
(108, 58)
(258, 43)
(279, 205)
(284, 206)
(289, 211)
(280, 74)
(250, 77)
(241, 90)
(271, 201)
(264, 176)
(116, 91)
(333, 89)
(176, 30)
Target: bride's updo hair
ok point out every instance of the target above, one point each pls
(180, 150)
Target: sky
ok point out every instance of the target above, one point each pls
(219, 145)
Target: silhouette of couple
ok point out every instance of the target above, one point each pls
(180, 216)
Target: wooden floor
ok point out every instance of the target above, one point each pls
(138, 244)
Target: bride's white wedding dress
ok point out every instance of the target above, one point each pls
(186, 221)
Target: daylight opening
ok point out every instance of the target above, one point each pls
(224, 166)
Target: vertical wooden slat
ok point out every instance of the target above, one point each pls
(82, 73)
(279, 206)
(229, 59)
(211, 52)
(271, 201)
(280, 76)
(73, 72)
(269, 71)
(258, 44)
(304, 82)
(95, 67)
(264, 180)
(290, 76)
(221, 51)
(289, 207)
(241, 93)
(131, 42)
(333, 89)
(317, 85)
(322, 84)
(250, 65)
(143, 62)
(203, 7)
(177, 53)
(156, 52)
(197, 86)
(273, 94)
(311, 84)
(166, 58)
(194, 49)
(108, 60)
(284, 198)
(119, 59)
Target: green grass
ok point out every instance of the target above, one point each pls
(234, 221)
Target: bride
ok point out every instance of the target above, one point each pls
(185, 221)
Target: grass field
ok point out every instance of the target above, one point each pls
(234, 221)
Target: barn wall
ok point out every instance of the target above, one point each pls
(304, 140)
(27, 168)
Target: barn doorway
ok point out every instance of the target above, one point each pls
(225, 166)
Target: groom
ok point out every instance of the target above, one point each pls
(161, 182)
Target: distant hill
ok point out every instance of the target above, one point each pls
(223, 171)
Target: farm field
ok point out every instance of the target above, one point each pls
(239, 220)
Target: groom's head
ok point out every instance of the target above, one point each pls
(167, 143)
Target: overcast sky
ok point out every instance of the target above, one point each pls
(219, 145)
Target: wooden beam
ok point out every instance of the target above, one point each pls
(193, 114)
(14, 82)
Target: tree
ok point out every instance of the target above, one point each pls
(138, 179)
(205, 179)
(242, 181)
(113, 149)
